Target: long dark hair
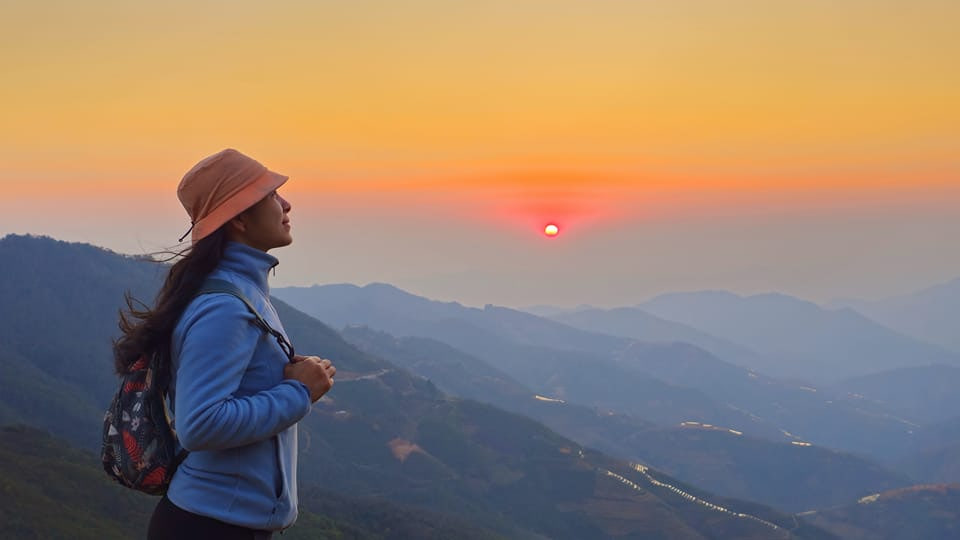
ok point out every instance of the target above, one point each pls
(146, 330)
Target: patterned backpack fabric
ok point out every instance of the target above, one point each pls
(139, 446)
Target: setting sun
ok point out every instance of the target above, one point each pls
(551, 230)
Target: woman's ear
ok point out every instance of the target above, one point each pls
(238, 224)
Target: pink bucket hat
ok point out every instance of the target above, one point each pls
(220, 187)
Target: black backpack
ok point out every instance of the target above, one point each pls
(139, 446)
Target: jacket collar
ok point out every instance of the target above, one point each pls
(249, 262)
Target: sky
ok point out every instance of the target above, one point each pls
(810, 148)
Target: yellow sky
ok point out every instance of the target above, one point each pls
(734, 85)
(518, 110)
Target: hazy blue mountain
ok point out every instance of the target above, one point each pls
(550, 358)
(463, 375)
(668, 383)
(932, 314)
(923, 395)
(828, 417)
(637, 324)
(455, 372)
(921, 512)
(788, 476)
(553, 311)
(383, 306)
(383, 432)
(798, 338)
(803, 413)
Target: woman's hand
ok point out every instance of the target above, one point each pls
(315, 372)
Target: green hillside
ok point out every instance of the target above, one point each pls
(52, 491)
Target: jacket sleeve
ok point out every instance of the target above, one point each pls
(218, 342)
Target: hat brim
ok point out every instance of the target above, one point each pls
(250, 195)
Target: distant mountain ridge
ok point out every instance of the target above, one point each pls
(638, 324)
(548, 358)
(668, 383)
(378, 304)
(798, 338)
(931, 314)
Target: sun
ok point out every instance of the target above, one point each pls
(551, 230)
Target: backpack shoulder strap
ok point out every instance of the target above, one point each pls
(213, 285)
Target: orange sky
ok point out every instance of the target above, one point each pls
(501, 114)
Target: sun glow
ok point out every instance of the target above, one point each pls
(551, 230)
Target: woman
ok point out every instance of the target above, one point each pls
(235, 395)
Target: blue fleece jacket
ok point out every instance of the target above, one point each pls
(233, 409)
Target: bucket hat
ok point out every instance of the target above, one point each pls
(220, 187)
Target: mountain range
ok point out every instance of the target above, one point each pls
(637, 324)
(667, 382)
(466, 421)
(381, 433)
(752, 468)
(797, 338)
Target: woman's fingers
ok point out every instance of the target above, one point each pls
(324, 363)
(316, 359)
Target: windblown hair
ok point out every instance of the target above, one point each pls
(146, 330)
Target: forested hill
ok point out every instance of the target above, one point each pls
(60, 306)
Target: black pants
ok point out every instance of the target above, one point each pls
(170, 522)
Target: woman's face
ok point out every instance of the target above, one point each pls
(265, 225)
